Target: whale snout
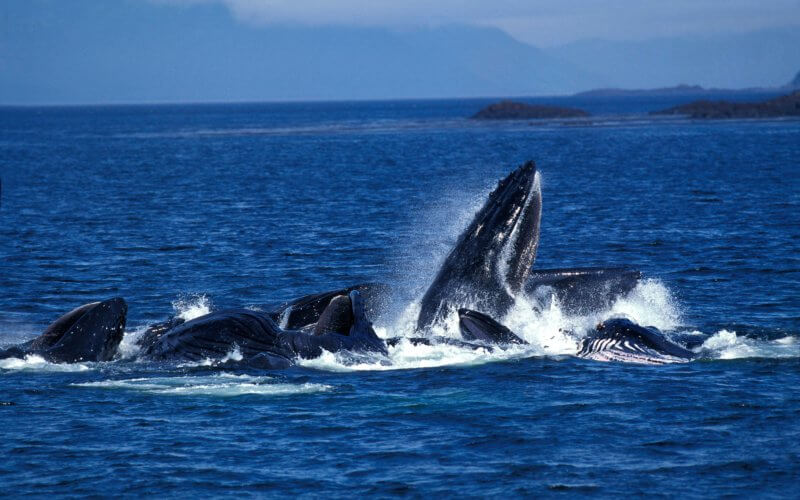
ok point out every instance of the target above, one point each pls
(476, 326)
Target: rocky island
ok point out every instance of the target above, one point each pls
(787, 105)
(512, 110)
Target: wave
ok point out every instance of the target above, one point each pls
(33, 363)
(375, 126)
(394, 125)
(220, 385)
(727, 344)
(407, 356)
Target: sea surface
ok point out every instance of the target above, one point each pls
(183, 209)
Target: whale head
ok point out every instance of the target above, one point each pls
(91, 332)
(477, 326)
(492, 258)
(362, 330)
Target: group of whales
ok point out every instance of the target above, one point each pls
(489, 266)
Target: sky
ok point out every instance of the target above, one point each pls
(542, 23)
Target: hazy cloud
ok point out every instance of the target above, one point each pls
(539, 22)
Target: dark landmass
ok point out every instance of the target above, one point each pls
(511, 110)
(788, 105)
(688, 90)
(679, 90)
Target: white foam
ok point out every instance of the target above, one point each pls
(542, 322)
(233, 355)
(538, 320)
(726, 344)
(407, 356)
(220, 385)
(34, 363)
(545, 330)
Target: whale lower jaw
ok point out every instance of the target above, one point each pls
(623, 351)
(644, 356)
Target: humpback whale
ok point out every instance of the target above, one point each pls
(616, 339)
(91, 332)
(492, 258)
(258, 340)
(304, 312)
(620, 339)
(489, 266)
(481, 327)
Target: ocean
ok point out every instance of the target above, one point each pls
(183, 209)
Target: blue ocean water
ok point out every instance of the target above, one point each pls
(183, 209)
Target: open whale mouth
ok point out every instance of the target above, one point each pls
(493, 256)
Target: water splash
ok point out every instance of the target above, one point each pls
(129, 345)
(726, 344)
(192, 306)
(540, 320)
(650, 303)
(186, 307)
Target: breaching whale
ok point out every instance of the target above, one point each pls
(492, 258)
(91, 332)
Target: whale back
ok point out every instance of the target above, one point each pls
(583, 290)
(306, 311)
(219, 335)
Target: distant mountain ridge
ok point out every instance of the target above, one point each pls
(688, 90)
(98, 51)
(85, 51)
(682, 89)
